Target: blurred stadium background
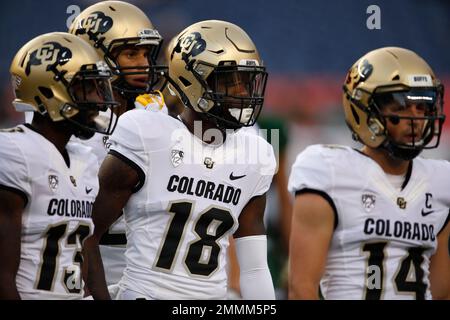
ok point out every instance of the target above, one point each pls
(307, 47)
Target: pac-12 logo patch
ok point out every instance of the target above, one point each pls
(176, 157)
(53, 182)
(368, 201)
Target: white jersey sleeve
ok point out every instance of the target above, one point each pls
(268, 166)
(126, 144)
(126, 141)
(14, 174)
(311, 170)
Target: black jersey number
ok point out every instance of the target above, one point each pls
(408, 278)
(111, 238)
(202, 255)
(50, 255)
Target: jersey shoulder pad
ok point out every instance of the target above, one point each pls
(312, 169)
(14, 173)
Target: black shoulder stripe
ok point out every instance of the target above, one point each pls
(408, 175)
(361, 153)
(22, 194)
(445, 224)
(324, 195)
(113, 239)
(133, 165)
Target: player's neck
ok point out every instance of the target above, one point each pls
(389, 164)
(198, 126)
(123, 104)
(56, 132)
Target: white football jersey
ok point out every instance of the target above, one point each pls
(187, 204)
(113, 243)
(57, 216)
(384, 236)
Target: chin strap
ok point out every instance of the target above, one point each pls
(220, 122)
(80, 131)
(401, 153)
(130, 104)
(125, 90)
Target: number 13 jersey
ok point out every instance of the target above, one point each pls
(57, 216)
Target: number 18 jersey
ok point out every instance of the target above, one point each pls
(188, 203)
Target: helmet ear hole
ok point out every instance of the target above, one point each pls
(40, 105)
(355, 114)
(46, 92)
(185, 81)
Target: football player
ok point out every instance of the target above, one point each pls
(187, 183)
(47, 185)
(373, 223)
(127, 40)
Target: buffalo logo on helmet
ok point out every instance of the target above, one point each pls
(51, 53)
(96, 23)
(189, 46)
(359, 72)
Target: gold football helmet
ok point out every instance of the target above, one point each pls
(59, 75)
(216, 70)
(392, 75)
(111, 26)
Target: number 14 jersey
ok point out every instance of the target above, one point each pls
(384, 237)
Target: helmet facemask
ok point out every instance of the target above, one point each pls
(153, 75)
(110, 26)
(236, 93)
(93, 103)
(389, 106)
